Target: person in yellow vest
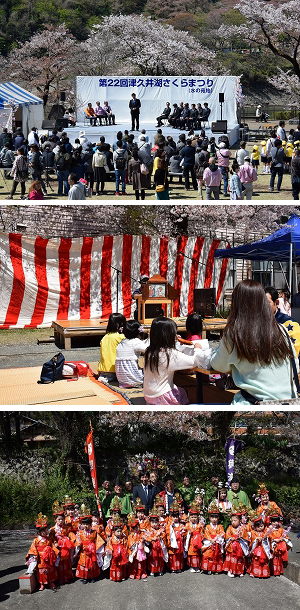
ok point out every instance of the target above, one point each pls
(288, 155)
(264, 157)
(255, 157)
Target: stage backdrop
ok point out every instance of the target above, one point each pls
(154, 92)
(58, 279)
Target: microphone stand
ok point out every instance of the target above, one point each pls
(118, 273)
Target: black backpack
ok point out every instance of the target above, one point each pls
(52, 370)
(61, 163)
(120, 160)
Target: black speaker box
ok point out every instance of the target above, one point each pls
(219, 127)
(221, 98)
(61, 123)
(205, 301)
(62, 96)
(48, 124)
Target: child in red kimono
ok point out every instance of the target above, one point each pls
(213, 542)
(194, 537)
(237, 547)
(265, 506)
(137, 549)
(280, 544)
(87, 567)
(117, 551)
(140, 510)
(156, 535)
(60, 534)
(176, 533)
(97, 527)
(259, 550)
(43, 555)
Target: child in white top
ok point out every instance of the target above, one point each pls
(128, 372)
(162, 359)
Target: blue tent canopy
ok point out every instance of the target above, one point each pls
(11, 92)
(274, 247)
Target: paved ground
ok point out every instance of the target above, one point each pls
(169, 592)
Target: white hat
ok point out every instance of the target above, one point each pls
(82, 133)
(222, 145)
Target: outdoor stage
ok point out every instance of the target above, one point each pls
(110, 131)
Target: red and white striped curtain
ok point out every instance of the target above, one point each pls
(69, 279)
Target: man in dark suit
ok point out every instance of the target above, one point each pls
(134, 106)
(164, 115)
(145, 492)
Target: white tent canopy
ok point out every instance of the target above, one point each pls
(31, 105)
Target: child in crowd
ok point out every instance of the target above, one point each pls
(128, 372)
(97, 526)
(117, 549)
(280, 543)
(137, 549)
(194, 537)
(108, 346)
(288, 156)
(43, 555)
(213, 542)
(141, 514)
(87, 567)
(255, 157)
(236, 547)
(265, 506)
(264, 157)
(35, 190)
(162, 360)
(175, 539)
(259, 550)
(156, 536)
(60, 533)
(236, 187)
(193, 327)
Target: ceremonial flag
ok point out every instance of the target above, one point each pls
(232, 447)
(90, 450)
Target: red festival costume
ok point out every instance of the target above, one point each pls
(46, 553)
(137, 567)
(119, 560)
(175, 542)
(212, 549)
(193, 545)
(87, 566)
(236, 550)
(259, 566)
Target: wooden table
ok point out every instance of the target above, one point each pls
(64, 330)
(200, 373)
(213, 324)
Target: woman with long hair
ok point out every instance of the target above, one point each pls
(255, 348)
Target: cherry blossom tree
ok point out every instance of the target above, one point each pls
(46, 63)
(128, 44)
(276, 28)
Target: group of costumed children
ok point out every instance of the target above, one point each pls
(254, 542)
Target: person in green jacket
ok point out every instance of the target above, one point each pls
(236, 495)
(118, 492)
(187, 491)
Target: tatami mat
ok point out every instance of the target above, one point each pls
(19, 386)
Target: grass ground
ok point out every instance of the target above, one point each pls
(25, 336)
(177, 191)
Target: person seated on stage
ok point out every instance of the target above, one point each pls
(192, 120)
(110, 116)
(292, 327)
(206, 112)
(108, 346)
(181, 122)
(101, 114)
(70, 117)
(175, 115)
(199, 118)
(90, 114)
(164, 115)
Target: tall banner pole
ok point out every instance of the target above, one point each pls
(90, 450)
